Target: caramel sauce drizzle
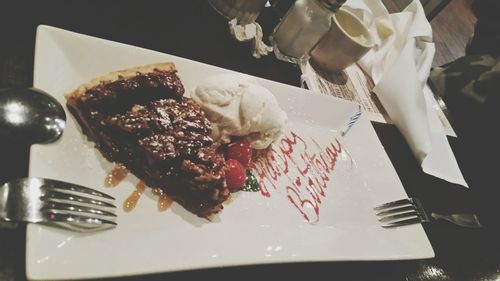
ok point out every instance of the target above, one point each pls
(132, 200)
(229, 200)
(164, 201)
(115, 176)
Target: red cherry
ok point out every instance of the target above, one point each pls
(240, 150)
(235, 175)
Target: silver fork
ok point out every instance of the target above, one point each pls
(39, 200)
(410, 211)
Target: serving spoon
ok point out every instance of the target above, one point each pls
(30, 116)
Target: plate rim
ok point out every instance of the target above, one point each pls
(29, 273)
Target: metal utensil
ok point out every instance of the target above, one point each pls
(72, 206)
(30, 115)
(410, 211)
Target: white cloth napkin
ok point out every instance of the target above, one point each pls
(399, 65)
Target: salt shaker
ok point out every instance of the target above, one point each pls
(302, 27)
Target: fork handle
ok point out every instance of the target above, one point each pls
(466, 220)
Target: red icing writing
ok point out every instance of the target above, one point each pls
(305, 172)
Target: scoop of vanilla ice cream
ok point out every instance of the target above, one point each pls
(238, 106)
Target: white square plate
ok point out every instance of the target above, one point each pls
(253, 229)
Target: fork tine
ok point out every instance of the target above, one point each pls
(396, 210)
(393, 204)
(61, 197)
(84, 221)
(75, 209)
(413, 220)
(58, 185)
(399, 216)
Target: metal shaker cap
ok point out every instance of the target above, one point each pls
(333, 5)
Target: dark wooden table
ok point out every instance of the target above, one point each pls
(191, 29)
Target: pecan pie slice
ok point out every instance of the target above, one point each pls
(139, 118)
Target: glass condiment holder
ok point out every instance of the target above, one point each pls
(301, 28)
(245, 11)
